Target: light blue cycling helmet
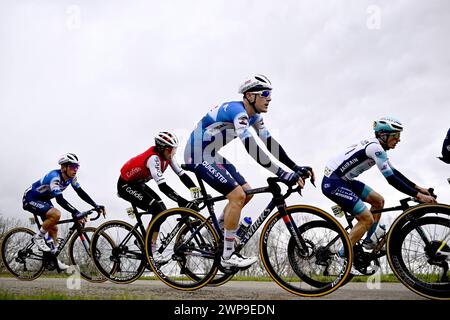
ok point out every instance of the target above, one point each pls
(387, 125)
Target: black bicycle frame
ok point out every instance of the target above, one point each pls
(278, 201)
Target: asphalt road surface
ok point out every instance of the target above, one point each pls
(156, 290)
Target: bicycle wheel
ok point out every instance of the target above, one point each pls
(118, 251)
(190, 260)
(20, 255)
(80, 255)
(418, 248)
(312, 269)
(220, 278)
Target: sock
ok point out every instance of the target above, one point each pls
(42, 232)
(372, 229)
(228, 243)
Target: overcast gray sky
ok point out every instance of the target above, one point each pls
(101, 78)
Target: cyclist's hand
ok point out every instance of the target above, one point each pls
(290, 178)
(306, 172)
(76, 216)
(425, 198)
(423, 190)
(101, 210)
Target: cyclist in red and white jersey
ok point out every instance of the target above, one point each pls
(149, 165)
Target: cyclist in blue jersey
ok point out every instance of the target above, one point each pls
(37, 199)
(446, 148)
(340, 186)
(221, 125)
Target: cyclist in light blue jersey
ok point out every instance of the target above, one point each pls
(340, 186)
(218, 127)
(37, 199)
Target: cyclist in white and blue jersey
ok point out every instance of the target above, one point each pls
(37, 199)
(218, 127)
(340, 186)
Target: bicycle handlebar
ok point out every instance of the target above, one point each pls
(87, 213)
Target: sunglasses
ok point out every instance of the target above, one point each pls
(264, 93)
(74, 167)
(395, 135)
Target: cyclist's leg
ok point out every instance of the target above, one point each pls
(367, 194)
(50, 224)
(140, 195)
(40, 208)
(340, 191)
(231, 169)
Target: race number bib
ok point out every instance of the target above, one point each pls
(195, 193)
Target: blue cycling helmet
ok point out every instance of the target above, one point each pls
(387, 125)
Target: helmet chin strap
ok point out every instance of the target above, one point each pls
(383, 138)
(252, 103)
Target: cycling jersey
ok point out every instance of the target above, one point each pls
(148, 165)
(37, 198)
(141, 169)
(339, 185)
(218, 127)
(51, 186)
(358, 158)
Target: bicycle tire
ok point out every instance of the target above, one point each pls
(119, 261)
(219, 279)
(197, 253)
(79, 257)
(286, 271)
(402, 239)
(17, 249)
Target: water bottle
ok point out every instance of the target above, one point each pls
(243, 227)
(50, 243)
(379, 233)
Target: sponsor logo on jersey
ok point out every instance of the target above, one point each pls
(132, 172)
(243, 120)
(159, 173)
(348, 164)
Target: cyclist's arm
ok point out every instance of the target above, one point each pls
(272, 145)
(65, 204)
(57, 193)
(259, 155)
(154, 165)
(380, 157)
(83, 195)
(187, 181)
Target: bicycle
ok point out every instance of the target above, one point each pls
(25, 261)
(194, 244)
(425, 237)
(119, 249)
(418, 250)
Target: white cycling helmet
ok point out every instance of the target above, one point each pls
(68, 158)
(387, 125)
(166, 139)
(257, 82)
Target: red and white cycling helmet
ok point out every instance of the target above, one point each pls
(166, 139)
